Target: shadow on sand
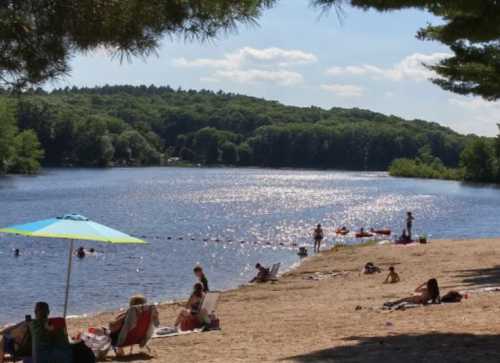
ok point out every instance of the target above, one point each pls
(431, 348)
(486, 277)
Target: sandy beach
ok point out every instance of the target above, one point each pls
(327, 311)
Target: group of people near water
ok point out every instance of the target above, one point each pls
(51, 336)
(406, 235)
(427, 292)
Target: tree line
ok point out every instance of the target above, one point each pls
(479, 162)
(141, 125)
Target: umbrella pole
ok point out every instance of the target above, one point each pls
(68, 276)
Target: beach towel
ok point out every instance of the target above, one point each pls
(138, 326)
(208, 309)
(400, 306)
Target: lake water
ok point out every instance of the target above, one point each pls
(228, 220)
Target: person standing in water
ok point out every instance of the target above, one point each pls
(17, 253)
(318, 237)
(409, 224)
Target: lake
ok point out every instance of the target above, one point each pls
(225, 219)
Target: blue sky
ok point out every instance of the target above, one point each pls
(299, 57)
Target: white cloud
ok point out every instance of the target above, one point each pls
(343, 90)
(251, 65)
(409, 68)
(247, 55)
(282, 77)
(477, 114)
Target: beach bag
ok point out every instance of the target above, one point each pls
(82, 353)
(99, 343)
(452, 297)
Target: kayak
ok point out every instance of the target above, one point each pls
(385, 232)
(363, 235)
(343, 232)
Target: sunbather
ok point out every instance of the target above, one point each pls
(193, 306)
(428, 291)
(116, 325)
(262, 274)
(392, 277)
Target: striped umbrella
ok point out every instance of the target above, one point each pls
(72, 227)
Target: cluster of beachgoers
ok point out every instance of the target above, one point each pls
(43, 339)
(406, 236)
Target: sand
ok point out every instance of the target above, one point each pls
(337, 318)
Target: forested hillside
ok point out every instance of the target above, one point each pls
(128, 125)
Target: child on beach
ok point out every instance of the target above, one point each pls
(392, 277)
(198, 272)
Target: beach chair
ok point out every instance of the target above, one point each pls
(208, 308)
(18, 348)
(210, 303)
(137, 328)
(273, 274)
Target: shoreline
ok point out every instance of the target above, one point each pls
(314, 320)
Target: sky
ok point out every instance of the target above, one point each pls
(299, 56)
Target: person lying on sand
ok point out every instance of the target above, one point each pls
(428, 291)
(370, 268)
(262, 274)
(193, 306)
(392, 277)
(116, 325)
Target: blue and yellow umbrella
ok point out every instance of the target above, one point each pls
(72, 227)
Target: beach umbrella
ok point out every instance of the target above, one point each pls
(72, 227)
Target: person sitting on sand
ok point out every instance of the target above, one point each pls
(116, 325)
(198, 272)
(52, 343)
(392, 277)
(370, 268)
(318, 236)
(193, 306)
(262, 274)
(428, 291)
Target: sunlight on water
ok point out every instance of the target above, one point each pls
(225, 219)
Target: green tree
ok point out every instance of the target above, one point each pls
(28, 153)
(478, 161)
(7, 133)
(245, 154)
(229, 153)
(38, 37)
